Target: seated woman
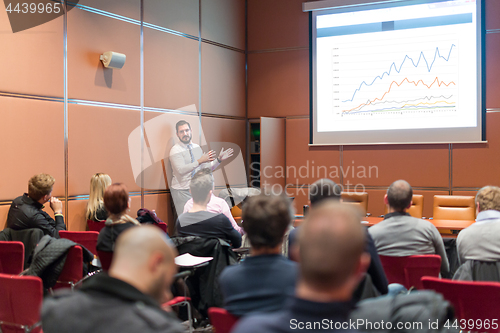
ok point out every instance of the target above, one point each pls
(95, 207)
(117, 203)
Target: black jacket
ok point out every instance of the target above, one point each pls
(29, 237)
(25, 213)
(105, 304)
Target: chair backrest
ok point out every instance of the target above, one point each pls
(72, 271)
(357, 199)
(236, 211)
(163, 226)
(95, 226)
(409, 270)
(11, 257)
(20, 302)
(221, 320)
(86, 238)
(454, 207)
(105, 258)
(417, 206)
(471, 299)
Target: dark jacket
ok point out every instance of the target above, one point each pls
(29, 237)
(49, 258)
(207, 291)
(105, 304)
(25, 213)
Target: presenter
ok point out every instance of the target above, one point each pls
(186, 158)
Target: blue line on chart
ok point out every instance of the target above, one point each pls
(394, 65)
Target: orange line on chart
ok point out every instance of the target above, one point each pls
(428, 103)
(399, 84)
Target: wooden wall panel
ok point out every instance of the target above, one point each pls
(492, 70)
(301, 195)
(225, 130)
(223, 81)
(98, 142)
(4, 211)
(278, 84)
(31, 61)
(90, 35)
(421, 166)
(277, 24)
(476, 165)
(223, 21)
(76, 221)
(492, 8)
(182, 16)
(161, 204)
(127, 8)
(31, 142)
(307, 164)
(170, 70)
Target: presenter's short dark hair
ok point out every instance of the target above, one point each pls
(399, 195)
(181, 123)
(201, 184)
(266, 219)
(324, 189)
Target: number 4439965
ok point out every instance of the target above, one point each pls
(33, 7)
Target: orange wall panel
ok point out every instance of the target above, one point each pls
(182, 16)
(421, 166)
(223, 81)
(31, 61)
(128, 8)
(492, 8)
(223, 21)
(225, 130)
(98, 142)
(170, 70)
(277, 24)
(31, 142)
(307, 164)
(492, 70)
(4, 211)
(90, 35)
(278, 84)
(76, 220)
(161, 204)
(476, 165)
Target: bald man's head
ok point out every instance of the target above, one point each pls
(399, 195)
(145, 258)
(331, 242)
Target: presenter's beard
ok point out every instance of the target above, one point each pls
(186, 139)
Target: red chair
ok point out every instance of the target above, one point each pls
(20, 303)
(95, 226)
(222, 320)
(473, 301)
(72, 271)
(408, 270)
(86, 238)
(162, 225)
(105, 258)
(11, 257)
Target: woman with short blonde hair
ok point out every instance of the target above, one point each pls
(95, 207)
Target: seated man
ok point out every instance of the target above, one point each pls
(126, 300)
(200, 222)
(480, 241)
(217, 205)
(26, 211)
(263, 280)
(400, 234)
(332, 262)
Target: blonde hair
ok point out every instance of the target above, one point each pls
(488, 198)
(98, 184)
(40, 185)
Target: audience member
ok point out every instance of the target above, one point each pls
(117, 203)
(322, 190)
(263, 280)
(26, 211)
(480, 241)
(217, 205)
(400, 234)
(126, 300)
(200, 222)
(95, 207)
(332, 262)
